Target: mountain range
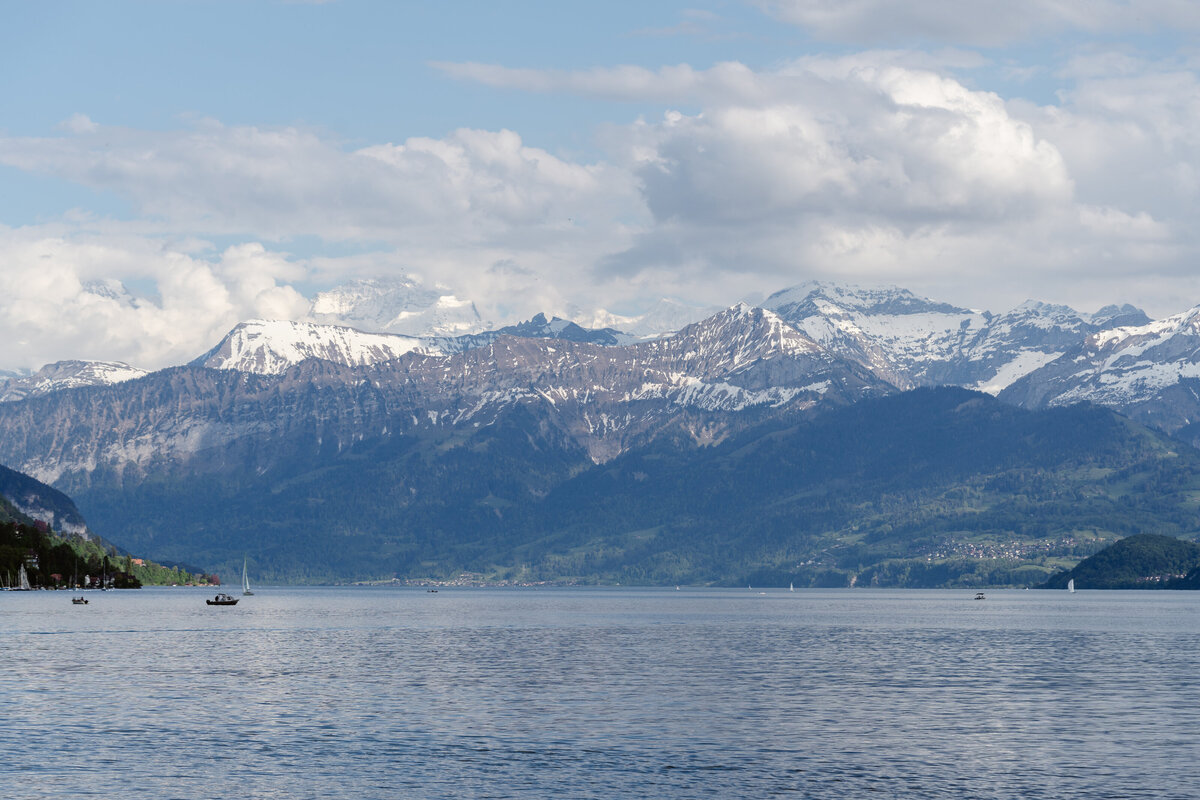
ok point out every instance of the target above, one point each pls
(298, 441)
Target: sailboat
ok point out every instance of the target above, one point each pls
(791, 587)
(22, 580)
(245, 581)
(1071, 585)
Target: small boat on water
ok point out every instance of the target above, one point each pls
(222, 600)
(79, 601)
(1071, 585)
(245, 581)
(980, 596)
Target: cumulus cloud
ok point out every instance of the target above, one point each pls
(986, 24)
(1130, 130)
(860, 168)
(58, 298)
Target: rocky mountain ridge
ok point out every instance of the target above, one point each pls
(704, 379)
(1037, 354)
(904, 339)
(1150, 372)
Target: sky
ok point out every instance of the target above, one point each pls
(169, 168)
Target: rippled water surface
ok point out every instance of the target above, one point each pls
(571, 693)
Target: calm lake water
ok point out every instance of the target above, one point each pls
(619, 693)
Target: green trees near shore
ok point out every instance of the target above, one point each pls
(54, 561)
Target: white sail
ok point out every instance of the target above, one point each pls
(245, 580)
(23, 579)
(1071, 585)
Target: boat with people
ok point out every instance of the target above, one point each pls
(222, 600)
(79, 601)
(980, 596)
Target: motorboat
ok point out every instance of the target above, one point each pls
(222, 600)
(79, 601)
(980, 596)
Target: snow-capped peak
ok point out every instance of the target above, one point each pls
(270, 347)
(896, 334)
(397, 305)
(662, 319)
(68, 375)
(850, 298)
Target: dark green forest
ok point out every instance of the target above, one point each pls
(55, 561)
(1142, 561)
(935, 487)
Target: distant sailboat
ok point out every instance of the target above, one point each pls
(791, 587)
(22, 580)
(1071, 585)
(245, 581)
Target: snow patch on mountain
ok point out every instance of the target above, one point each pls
(688, 390)
(1133, 364)
(1025, 362)
(1150, 372)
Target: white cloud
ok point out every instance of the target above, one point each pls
(865, 170)
(281, 182)
(909, 146)
(79, 123)
(1129, 132)
(986, 24)
(869, 168)
(445, 209)
(58, 298)
(874, 167)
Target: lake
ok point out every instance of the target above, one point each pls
(614, 693)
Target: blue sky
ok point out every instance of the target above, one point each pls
(170, 168)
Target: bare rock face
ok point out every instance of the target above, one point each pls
(42, 503)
